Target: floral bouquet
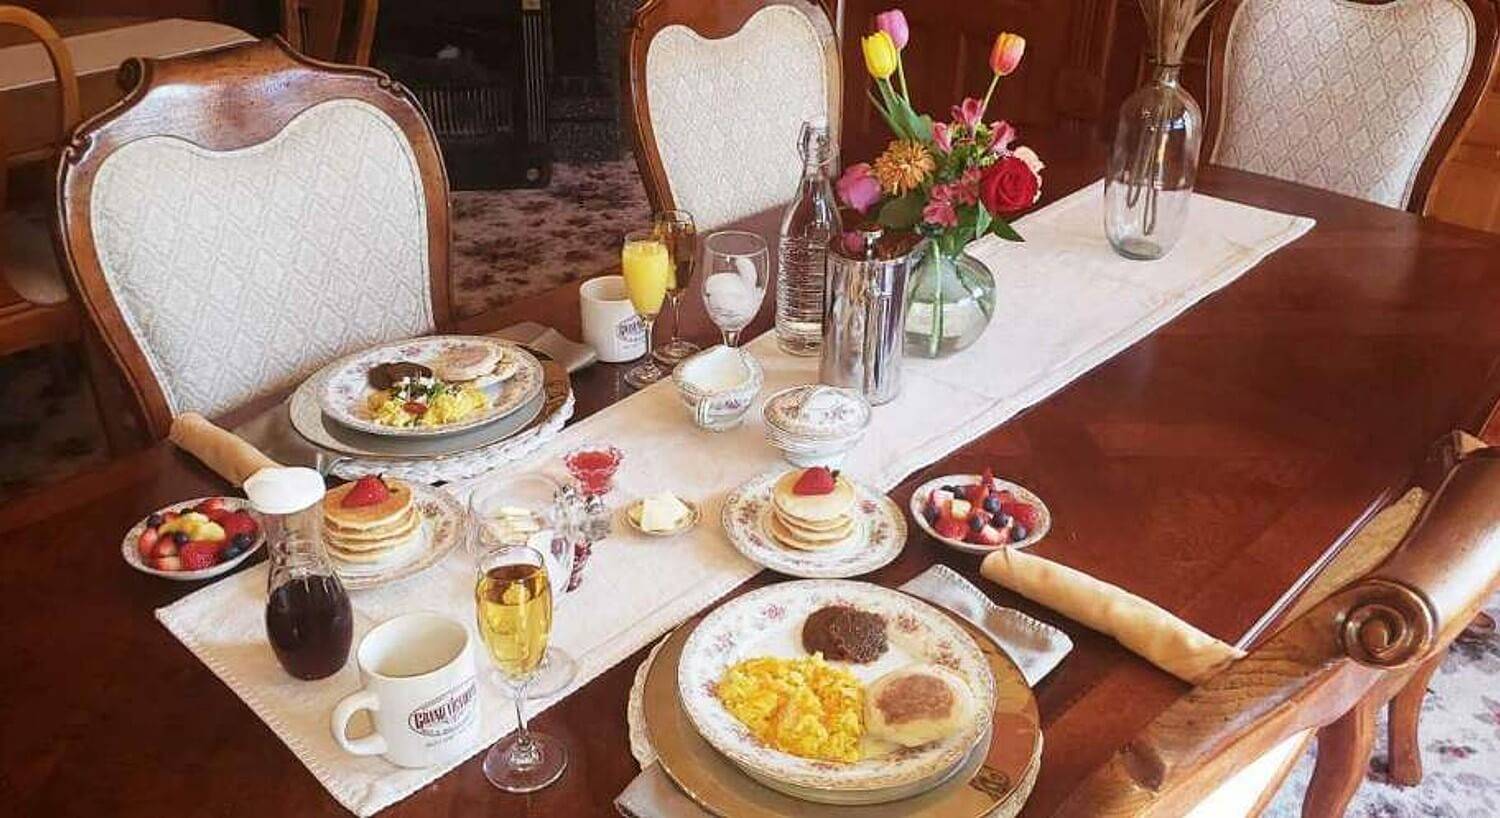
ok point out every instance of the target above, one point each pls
(952, 182)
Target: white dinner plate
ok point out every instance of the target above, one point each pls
(345, 393)
(768, 622)
(132, 555)
(879, 533)
(1025, 495)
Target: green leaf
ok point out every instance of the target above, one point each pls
(896, 110)
(1003, 229)
(902, 213)
(885, 115)
(981, 221)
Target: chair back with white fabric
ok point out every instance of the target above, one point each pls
(245, 216)
(1361, 97)
(718, 94)
(1224, 748)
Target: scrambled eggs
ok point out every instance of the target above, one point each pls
(800, 706)
(425, 402)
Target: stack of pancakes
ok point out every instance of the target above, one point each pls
(374, 536)
(811, 522)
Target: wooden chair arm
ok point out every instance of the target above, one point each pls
(62, 64)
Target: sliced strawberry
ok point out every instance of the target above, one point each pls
(938, 499)
(1023, 513)
(209, 506)
(368, 491)
(201, 554)
(238, 522)
(1005, 496)
(146, 544)
(817, 480)
(167, 563)
(165, 547)
(991, 536)
(949, 528)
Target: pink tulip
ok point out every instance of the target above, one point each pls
(969, 112)
(893, 22)
(858, 188)
(942, 136)
(1002, 133)
(1005, 55)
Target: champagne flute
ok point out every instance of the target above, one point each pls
(520, 511)
(513, 607)
(646, 264)
(736, 272)
(676, 228)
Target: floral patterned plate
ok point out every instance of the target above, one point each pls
(440, 531)
(768, 622)
(346, 392)
(879, 533)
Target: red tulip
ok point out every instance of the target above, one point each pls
(1006, 53)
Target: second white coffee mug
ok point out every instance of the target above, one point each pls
(421, 690)
(610, 324)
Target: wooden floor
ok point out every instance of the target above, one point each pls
(1467, 190)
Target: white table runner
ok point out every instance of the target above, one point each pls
(1066, 304)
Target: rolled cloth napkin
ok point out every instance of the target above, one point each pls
(224, 452)
(1145, 628)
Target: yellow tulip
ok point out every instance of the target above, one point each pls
(880, 55)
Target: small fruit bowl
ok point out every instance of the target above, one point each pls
(1009, 504)
(221, 529)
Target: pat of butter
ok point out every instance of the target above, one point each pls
(662, 512)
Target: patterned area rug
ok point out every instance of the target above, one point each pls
(509, 244)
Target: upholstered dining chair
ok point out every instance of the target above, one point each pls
(718, 93)
(1361, 97)
(1223, 750)
(35, 307)
(330, 29)
(246, 215)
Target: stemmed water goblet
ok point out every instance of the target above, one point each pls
(513, 609)
(521, 510)
(736, 271)
(677, 231)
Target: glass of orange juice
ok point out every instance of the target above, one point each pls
(646, 263)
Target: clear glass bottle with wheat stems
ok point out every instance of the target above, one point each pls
(1153, 167)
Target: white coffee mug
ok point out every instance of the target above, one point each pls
(421, 690)
(610, 324)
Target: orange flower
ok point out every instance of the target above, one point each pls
(1006, 53)
(904, 166)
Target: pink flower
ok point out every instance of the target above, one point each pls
(939, 210)
(1005, 54)
(942, 136)
(893, 23)
(1001, 135)
(969, 112)
(966, 190)
(858, 187)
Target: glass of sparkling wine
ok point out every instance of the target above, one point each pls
(736, 271)
(513, 606)
(646, 264)
(676, 229)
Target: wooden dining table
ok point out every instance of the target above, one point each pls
(1212, 467)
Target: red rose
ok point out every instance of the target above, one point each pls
(1008, 186)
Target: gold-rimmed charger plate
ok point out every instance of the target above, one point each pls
(996, 777)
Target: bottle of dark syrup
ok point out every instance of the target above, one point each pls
(308, 619)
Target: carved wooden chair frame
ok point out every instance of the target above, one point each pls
(1458, 122)
(222, 101)
(714, 20)
(316, 28)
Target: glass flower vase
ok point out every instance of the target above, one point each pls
(1153, 167)
(950, 299)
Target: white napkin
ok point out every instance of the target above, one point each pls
(1035, 647)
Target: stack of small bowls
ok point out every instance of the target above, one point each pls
(815, 425)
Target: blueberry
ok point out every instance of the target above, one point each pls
(1018, 533)
(930, 514)
(1001, 520)
(180, 537)
(231, 551)
(976, 523)
(241, 540)
(154, 521)
(992, 503)
(953, 490)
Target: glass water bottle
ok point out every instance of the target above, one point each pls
(810, 221)
(1153, 167)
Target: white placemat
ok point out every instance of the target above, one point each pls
(1067, 303)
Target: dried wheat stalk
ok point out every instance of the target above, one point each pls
(1169, 24)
